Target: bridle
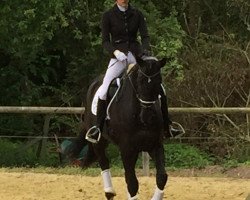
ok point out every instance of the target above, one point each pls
(149, 77)
(143, 103)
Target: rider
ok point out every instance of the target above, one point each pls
(120, 26)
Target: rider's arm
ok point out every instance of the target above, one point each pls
(145, 40)
(105, 25)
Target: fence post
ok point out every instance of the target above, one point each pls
(145, 163)
(248, 125)
(41, 153)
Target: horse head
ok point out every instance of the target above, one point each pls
(149, 79)
(147, 86)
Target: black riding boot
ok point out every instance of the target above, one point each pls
(169, 131)
(94, 133)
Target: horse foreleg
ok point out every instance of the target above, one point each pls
(129, 161)
(108, 186)
(106, 175)
(161, 175)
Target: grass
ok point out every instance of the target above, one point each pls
(178, 157)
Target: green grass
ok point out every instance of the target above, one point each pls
(177, 156)
(247, 163)
(186, 156)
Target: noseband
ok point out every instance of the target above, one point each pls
(143, 103)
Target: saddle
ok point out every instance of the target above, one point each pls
(113, 92)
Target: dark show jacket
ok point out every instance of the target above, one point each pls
(120, 29)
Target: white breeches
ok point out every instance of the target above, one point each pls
(115, 68)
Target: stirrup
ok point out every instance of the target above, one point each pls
(90, 134)
(178, 128)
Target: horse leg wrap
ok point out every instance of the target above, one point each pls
(158, 195)
(108, 187)
(132, 198)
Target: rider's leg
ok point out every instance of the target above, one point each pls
(115, 68)
(94, 133)
(169, 131)
(101, 113)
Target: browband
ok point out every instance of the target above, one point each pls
(149, 58)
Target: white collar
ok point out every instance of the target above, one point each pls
(121, 8)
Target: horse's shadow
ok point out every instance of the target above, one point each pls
(135, 125)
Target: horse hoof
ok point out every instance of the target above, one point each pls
(109, 196)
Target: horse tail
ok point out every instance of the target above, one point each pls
(75, 149)
(76, 146)
(89, 158)
(79, 143)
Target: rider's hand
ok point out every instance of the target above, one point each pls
(120, 55)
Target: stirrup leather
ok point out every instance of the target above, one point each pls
(92, 132)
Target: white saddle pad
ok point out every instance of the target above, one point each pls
(94, 103)
(96, 97)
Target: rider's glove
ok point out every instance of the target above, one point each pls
(120, 55)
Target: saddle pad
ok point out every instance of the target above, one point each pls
(96, 97)
(94, 103)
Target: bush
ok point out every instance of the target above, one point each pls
(177, 156)
(185, 156)
(14, 154)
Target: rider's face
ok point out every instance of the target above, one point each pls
(123, 3)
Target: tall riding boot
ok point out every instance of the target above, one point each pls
(94, 133)
(101, 113)
(169, 131)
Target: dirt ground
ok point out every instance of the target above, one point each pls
(39, 186)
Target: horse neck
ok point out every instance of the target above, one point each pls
(129, 89)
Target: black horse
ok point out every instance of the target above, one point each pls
(135, 125)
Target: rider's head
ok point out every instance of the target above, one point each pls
(123, 3)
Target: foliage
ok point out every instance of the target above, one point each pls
(51, 46)
(13, 154)
(216, 75)
(230, 164)
(46, 43)
(186, 156)
(51, 50)
(166, 35)
(11, 157)
(177, 156)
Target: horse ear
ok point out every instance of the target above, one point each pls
(163, 62)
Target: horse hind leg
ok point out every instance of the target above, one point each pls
(104, 164)
(108, 187)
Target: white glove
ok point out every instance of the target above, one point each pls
(120, 55)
